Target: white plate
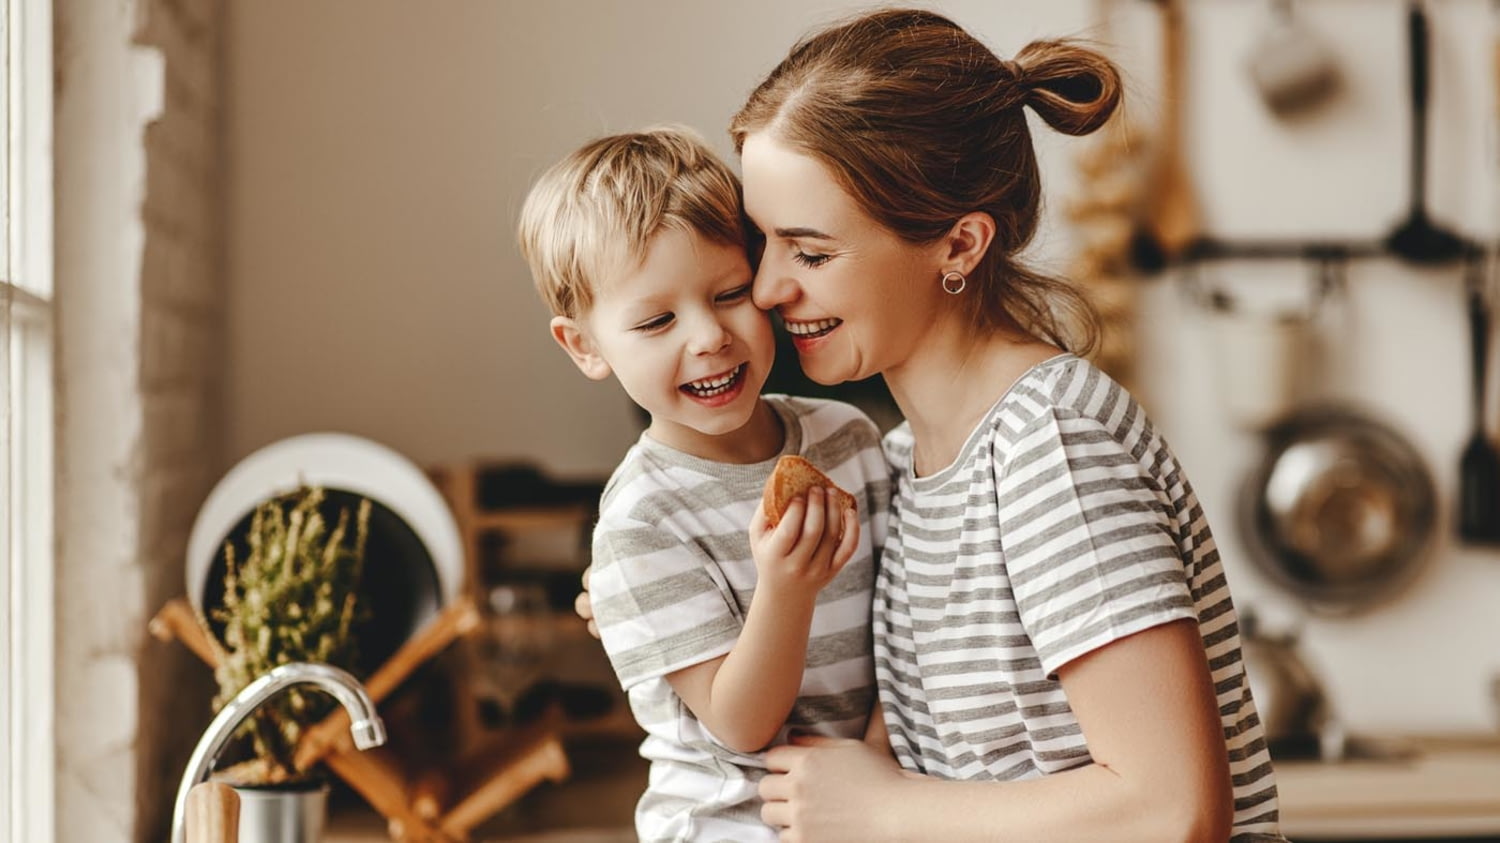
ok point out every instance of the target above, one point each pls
(334, 461)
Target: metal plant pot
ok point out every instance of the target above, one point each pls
(283, 813)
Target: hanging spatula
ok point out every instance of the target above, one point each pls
(1479, 468)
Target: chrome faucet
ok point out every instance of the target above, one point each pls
(365, 726)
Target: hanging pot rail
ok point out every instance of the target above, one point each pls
(1208, 249)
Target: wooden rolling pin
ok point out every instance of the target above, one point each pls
(213, 814)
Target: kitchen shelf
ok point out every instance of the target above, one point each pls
(1449, 787)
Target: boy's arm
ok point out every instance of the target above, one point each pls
(744, 696)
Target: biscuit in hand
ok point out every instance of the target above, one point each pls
(793, 476)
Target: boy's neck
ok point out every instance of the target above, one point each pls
(760, 439)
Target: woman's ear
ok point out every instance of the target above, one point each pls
(967, 241)
(580, 347)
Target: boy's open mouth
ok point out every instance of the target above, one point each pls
(716, 385)
(811, 330)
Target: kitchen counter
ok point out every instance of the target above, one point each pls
(1446, 787)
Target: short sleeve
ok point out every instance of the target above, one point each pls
(1089, 541)
(660, 603)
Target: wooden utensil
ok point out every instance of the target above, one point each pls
(213, 814)
(1170, 221)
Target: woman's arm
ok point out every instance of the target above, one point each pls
(1160, 773)
(744, 697)
(875, 731)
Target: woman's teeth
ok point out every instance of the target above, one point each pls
(709, 387)
(812, 329)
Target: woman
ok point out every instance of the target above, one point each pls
(1056, 649)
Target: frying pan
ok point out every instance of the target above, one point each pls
(413, 554)
(1340, 510)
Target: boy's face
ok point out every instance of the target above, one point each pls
(682, 336)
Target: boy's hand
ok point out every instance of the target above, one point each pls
(808, 548)
(584, 605)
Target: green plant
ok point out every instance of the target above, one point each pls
(292, 598)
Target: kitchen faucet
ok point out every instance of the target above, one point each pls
(365, 725)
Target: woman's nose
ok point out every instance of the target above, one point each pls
(771, 287)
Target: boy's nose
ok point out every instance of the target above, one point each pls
(709, 336)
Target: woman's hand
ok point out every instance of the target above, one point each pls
(831, 789)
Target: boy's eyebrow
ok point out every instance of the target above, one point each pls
(803, 232)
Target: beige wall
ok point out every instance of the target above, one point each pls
(378, 156)
(378, 152)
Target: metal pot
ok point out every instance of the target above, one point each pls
(1294, 710)
(1340, 510)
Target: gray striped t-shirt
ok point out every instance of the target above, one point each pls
(1064, 524)
(671, 579)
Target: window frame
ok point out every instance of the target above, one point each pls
(27, 591)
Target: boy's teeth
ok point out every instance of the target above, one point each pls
(716, 385)
(803, 329)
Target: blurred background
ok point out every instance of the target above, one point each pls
(277, 217)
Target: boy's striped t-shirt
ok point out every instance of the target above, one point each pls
(1065, 524)
(671, 581)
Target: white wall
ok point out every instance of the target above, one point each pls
(378, 154)
(140, 304)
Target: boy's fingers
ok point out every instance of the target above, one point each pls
(759, 522)
(847, 542)
(790, 528)
(814, 519)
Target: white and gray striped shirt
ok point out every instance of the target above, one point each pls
(1064, 524)
(672, 577)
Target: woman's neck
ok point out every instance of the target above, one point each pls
(945, 389)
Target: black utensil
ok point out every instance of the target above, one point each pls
(1479, 467)
(1417, 239)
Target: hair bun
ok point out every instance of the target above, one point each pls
(1072, 87)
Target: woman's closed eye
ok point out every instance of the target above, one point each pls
(810, 260)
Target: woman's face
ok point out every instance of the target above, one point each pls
(856, 298)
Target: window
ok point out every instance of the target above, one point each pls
(26, 590)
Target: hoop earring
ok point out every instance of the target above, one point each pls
(948, 283)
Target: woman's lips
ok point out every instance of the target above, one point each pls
(806, 334)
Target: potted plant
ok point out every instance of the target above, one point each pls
(293, 596)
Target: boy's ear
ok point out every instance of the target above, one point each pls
(576, 342)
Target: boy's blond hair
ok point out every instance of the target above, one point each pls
(593, 214)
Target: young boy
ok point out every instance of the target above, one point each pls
(723, 639)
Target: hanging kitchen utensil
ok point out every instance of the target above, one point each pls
(1292, 68)
(1479, 467)
(1169, 221)
(1418, 239)
(1341, 509)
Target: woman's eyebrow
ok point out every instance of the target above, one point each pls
(803, 232)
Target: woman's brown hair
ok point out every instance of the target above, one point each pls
(922, 124)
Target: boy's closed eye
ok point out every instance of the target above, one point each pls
(734, 296)
(655, 323)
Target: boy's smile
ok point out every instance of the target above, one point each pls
(683, 337)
